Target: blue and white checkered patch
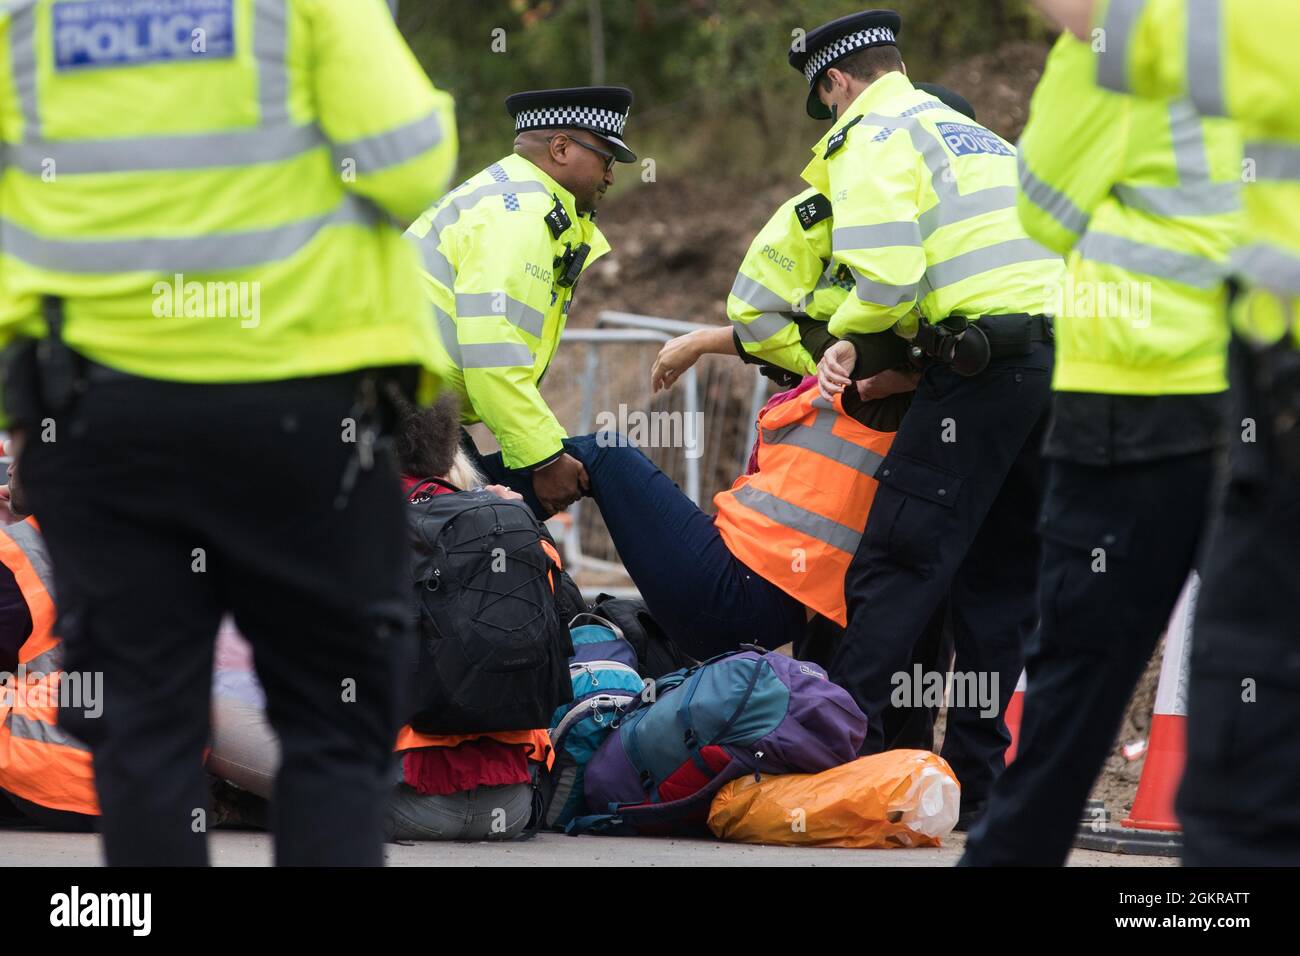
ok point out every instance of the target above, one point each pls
(511, 200)
(963, 140)
(115, 33)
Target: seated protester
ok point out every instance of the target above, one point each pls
(463, 787)
(44, 771)
(774, 554)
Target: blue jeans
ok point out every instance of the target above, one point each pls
(705, 598)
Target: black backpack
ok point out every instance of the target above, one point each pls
(493, 652)
(656, 654)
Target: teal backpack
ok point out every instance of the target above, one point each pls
(606, 685)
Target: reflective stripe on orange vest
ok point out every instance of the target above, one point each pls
(797, 521)
(38, 760)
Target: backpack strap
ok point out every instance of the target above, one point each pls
(431, 482)
(602, 621)
(626, 820)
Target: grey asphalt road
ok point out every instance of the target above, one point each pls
(237, 848)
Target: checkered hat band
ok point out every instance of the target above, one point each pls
(844, 46)
(560, 117)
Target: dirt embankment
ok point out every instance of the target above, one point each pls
(677, 246)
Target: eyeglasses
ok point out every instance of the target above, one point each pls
(609, 157)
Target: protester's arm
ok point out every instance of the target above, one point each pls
(682, 352)
(393, 135)
(1061, 184)
(876, 233)
(496, 297)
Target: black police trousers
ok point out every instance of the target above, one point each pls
(1118, 545)
(1239, 802)
(167, 505)
(954, 517)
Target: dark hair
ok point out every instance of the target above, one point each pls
(427, 438)
(867, 64)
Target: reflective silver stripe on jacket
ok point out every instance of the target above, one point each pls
(1275, 162)
(470, 305)
(762, 327)
(271, 48)
(1135, 256)
(758, 296)
(198, 254)
(496, 355)
(1112, 60)
(823, 529)
(978, 261)
(1196, 193)
(1056, 204)
(1268, 266)
(1205, 61)
(881, 235)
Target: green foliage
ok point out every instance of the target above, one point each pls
(710, 76)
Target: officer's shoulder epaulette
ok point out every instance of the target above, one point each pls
(558, 220)
(836, 141)
(813, 210)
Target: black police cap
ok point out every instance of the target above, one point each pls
(598, 109)
(833, 41)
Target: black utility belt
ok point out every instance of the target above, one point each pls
(1015, 334)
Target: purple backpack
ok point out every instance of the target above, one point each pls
(746, 712)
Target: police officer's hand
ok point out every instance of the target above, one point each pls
(677, 355)
(889, 382)
(835, 369)
(560, 483)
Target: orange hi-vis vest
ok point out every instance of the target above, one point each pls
(797, 521)
(39, 762)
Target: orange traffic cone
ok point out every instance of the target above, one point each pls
(1015, 707)
(1153, 806)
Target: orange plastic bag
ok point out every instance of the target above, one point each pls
(900, 798)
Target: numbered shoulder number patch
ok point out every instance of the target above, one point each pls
(963, 140)
(110, 33)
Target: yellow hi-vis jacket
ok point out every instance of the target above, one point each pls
(207, 184)
(924, 200)
(493, 253)
(788, 270)
(39, 761)
(1234, 58)
(1148, 209)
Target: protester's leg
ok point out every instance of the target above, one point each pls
(957, 443)
(1239, 803)
(706, 600)
(994, 609)
(1118, 546)
(245, 750)
(138, 605)
(322, 594)
(487, 813)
